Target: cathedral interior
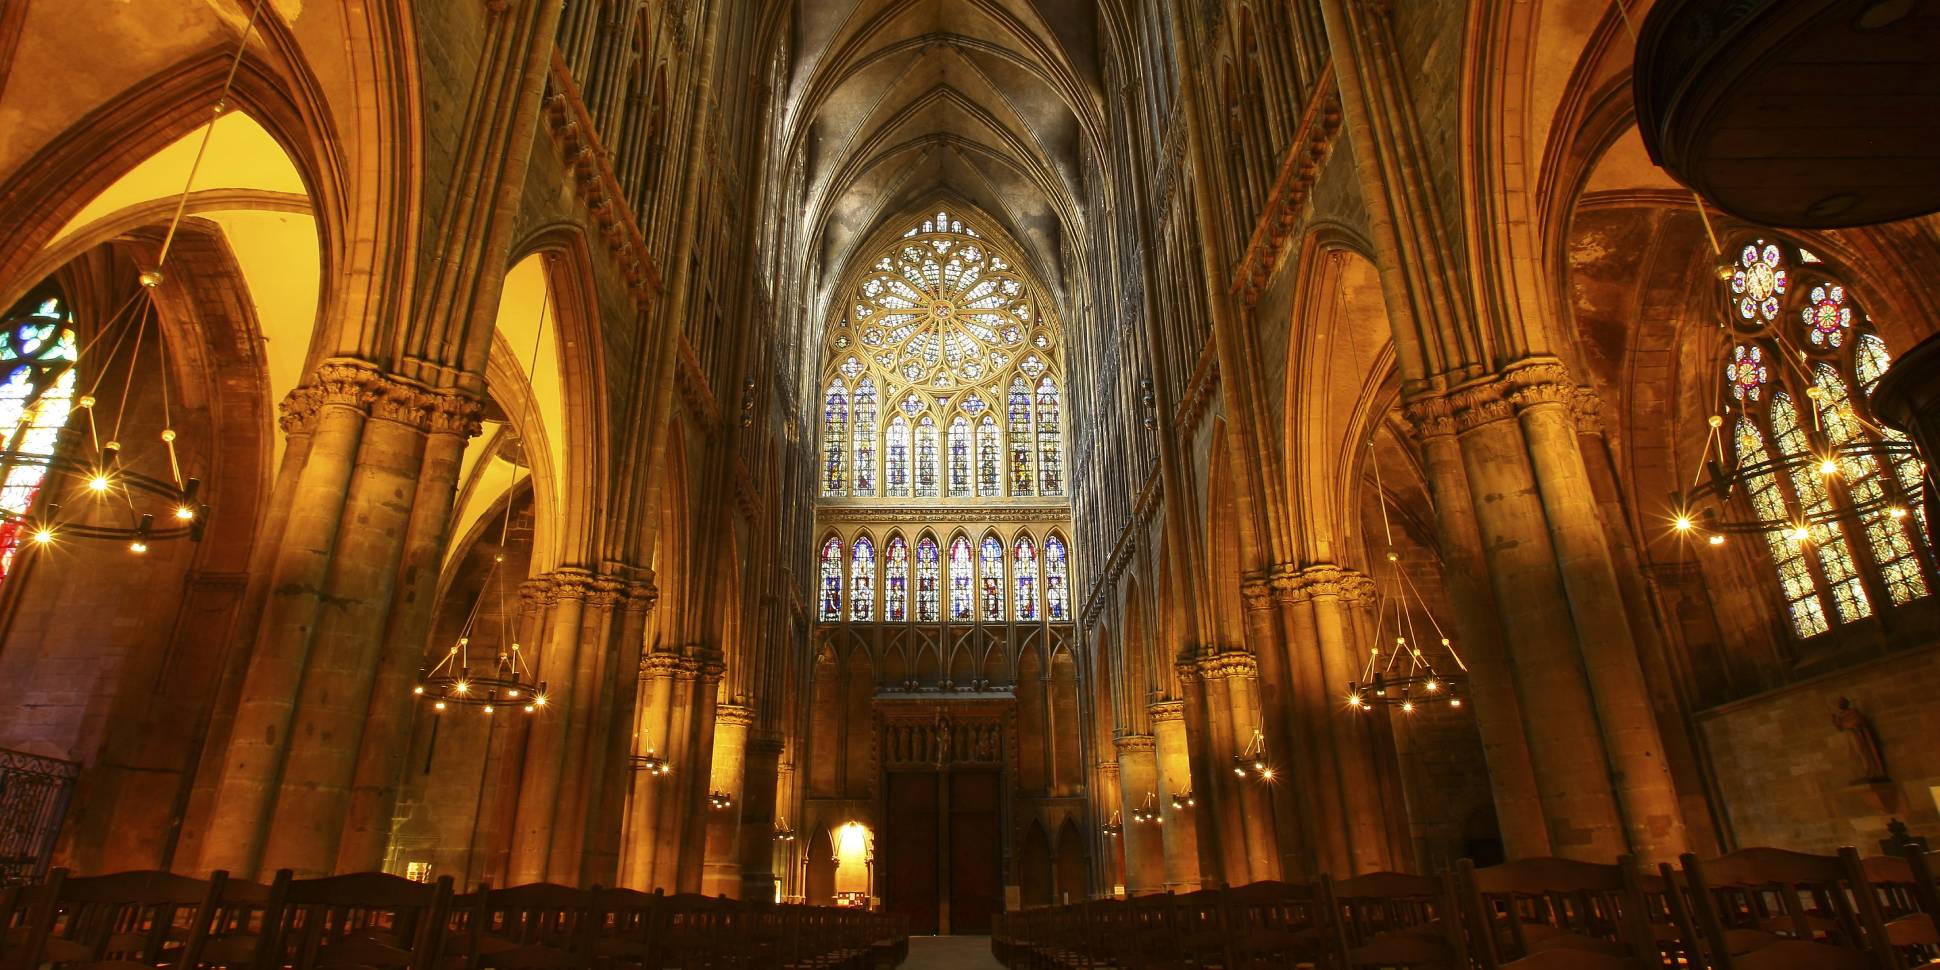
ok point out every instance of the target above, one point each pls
(964, 467)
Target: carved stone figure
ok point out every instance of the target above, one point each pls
(1862, 741)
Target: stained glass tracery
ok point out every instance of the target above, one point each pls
(1886, 533)
(831, 599)
(929, 580)
(835, 439)
(963, 580)
(1802, 604)
(862, 581)
(1057, 581)
(1019, 430)
(1024, 577)
(960, 446)
(895, 580)
(895, 459)
(38, 353)
(864, 471)
(990, 561)
(926, 457)
(1050, 457)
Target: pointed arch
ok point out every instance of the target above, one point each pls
(991, 598)
(1057, 579)
(929, 579)
(829, 600)
(862, 579)
(1024, 578)
(895, 579)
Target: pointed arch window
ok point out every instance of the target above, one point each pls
(835, 439)
(831, 608)
(929, 580)
(895, 459)
(1057, 581)
(990, 458)
(865, 438)
(895, 580)
(960, 446)
(1808, 449)
(963, 581)
(1024, 575)
(1019, 430)
(862, 581)
(38, 354)
(990, 589)
(926, 457)
(1050, 455)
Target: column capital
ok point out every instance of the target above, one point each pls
(1135, 743)
(738, 714)
(1322, 580)
(659, 665)
(455, 413)
(1258, 594)
(1430, 416)
(1167, 711)
(565, 583)
(1479, 403)
(1587, 404)
(1537, 381)
(1228, 664)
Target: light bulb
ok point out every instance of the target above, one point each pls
(1717, 539)
(419, 690)
(439, 706)
(488, 708)
(1799, 534)
(1683, 523)
(1454, 702)
(1266, 774)
(539, 699)
(528, 708)
(138, 547)
(461, 687)
(513, 693)
(1432, 686)
(1828, 467)
(43, 536)
(98, 483)
(1408, 707)
(184, 513)
(1898, 512)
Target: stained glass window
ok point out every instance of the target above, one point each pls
(1869, 363)
(1050, 460)
(862, 581)
(1019, 431)
(835, 439)
(831, 580)
(1024, 575)
(991, 581)
(895, 580)
(990, 458)
(895, 458)
(929, 580)
(926, 456)
(38, 353)
(865, 438)
(1057, 581)
(1802, 603)
(963, 580)
(1759, 281)
(1835, 557)
(1827, 317)
(960, 445)
(1886, 533)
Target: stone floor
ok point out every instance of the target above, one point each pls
(950, 953)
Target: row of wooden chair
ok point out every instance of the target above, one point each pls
(159, 919)
(1757, 909)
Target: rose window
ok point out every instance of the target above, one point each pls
(1758, 281)
(1828, 317)
(1746, 372)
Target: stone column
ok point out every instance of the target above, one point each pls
(759, 792)
(536, 829)
(1180, 830)
(1313, 713)
(1147, 858)
(614, 761)
(693, 832)
(1559, 715)
(453, 420)
(1111, 848)
(650, 791)
(721, 864)
(333, 408)
(1541, 392)
(1334, 596)
(591, 703)
(1232, 674)
(1492, 681)
(1292, 802)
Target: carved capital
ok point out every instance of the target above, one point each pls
(1532, 383)
(1475, 405)
(1228, 664)
(1430, 416)
(659, 665)
(739, 714)
(1588, 408)
(1258, 594)
(454, 413)
(569, 584)
(1135, 742)
(641, 597)
(1167, 711)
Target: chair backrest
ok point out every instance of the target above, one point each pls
(1901, 892)
(1392, 919)
(1519, 908)
(370, 919)
(140, 917)
(1765, 907)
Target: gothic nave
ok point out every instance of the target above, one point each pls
(950, 467)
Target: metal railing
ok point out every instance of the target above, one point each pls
(33, 798)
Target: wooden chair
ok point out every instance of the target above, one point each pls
(1392, 919)
(533, 927)
(1911, 922)
(1519, 909)
(1771, 909)
(1263, 924)
(139, 918)
(366, 920)
(232, 931)
(625, 928)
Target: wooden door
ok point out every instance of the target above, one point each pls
(976, 854)
(908, 851)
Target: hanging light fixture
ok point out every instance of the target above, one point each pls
(653, 764)
(1405, 676)
(1147, 813)
(1113, 826)
(1755, 289)
(1182, 800)
(1251, 762)
(509, 680)
(719, 800)
(783, 833)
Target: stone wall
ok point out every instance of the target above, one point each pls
(1785, 775)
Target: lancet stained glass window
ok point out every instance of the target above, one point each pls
(963, 581)
(990, 588)
(926, 456)
(1024, 576)
(862, 581)
(38, 354)
(1057, 581)
(831, 609)
(1050, 459)
(895, 580)
(1019, 430)
(1835, 557)
(1869, 363)
(835, 439)
(990, 458)
(895, 459)
(929, 580)
(865, 438)
(960, 446)
(1802, 603)
(1892, 547)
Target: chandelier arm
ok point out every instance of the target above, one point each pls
(208, 131)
